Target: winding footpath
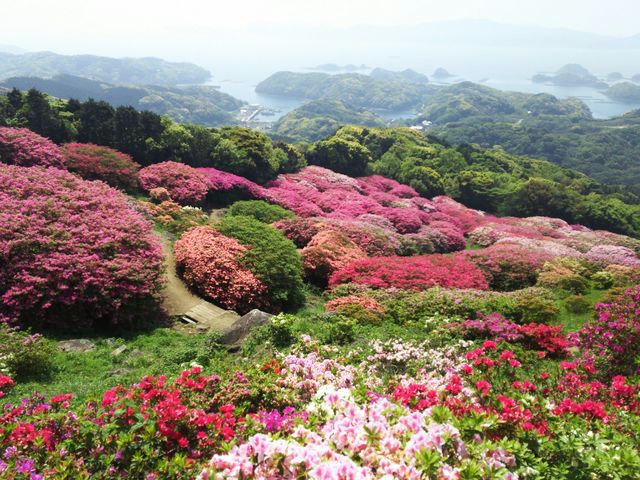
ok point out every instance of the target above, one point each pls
(179, 301)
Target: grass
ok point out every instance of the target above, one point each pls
(87, 375)
(574, 321)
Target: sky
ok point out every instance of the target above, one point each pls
(30, 23)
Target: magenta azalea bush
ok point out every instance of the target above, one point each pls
(93, 162)
(72, 252)
(21, 146)
(613, 337)
(185, 184)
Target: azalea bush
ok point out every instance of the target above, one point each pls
(93, 162)
(21, 146)
(185, 184)
(508, 267)
(613, 337)
(73, 253)
(327, 252)
(412, 273)
(210, 263)
(272, 258)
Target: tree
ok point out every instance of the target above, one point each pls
(340, 155)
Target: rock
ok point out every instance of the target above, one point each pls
(136, 353)
(76, 345)
(243, 326)
(119, 351)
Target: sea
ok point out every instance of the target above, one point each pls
(503, 68)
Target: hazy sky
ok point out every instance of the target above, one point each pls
(138, 26)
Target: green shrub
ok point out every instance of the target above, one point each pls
(260, 210)
(280, 330)
(534, 308)
(24, 355)
(602, 280)
(577, 304)
(341, 330)
(272, 258)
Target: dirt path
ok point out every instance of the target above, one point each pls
(178, 299)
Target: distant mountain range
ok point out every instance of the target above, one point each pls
(120, 71)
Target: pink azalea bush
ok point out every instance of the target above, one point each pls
(93, 162)
(224, 181)
(210, 264)
(21, 146)
(412, 273)
(185, 184)
(508, 266)
(604, 255)
(327, 252)
(71, 251)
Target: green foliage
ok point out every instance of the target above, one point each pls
(602, 280)
(340, 330)
(280, 330)
(340, 155)
(272, 258)
(577, 304)
(195, 103)
(260, 210)
(247, 153)
(533, 308)
(320, 118)
(23, 355)
(363, 91)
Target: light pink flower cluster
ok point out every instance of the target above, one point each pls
(307, 373)
(378, 440)
(21, 146)
(612, 255)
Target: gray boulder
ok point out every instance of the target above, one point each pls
(243, 326)
(76, 345)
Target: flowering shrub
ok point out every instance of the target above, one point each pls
(298, 229)
(185, 184)
(69, 247)
(613, 338)
(224, 181)
(210, 264)
(93, 162)
(327, 252)
(6, 383)
(21, 146)
(508, 267)
(362, 309)
(412, 273)
(610, 254)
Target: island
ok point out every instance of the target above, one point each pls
(571, 75)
